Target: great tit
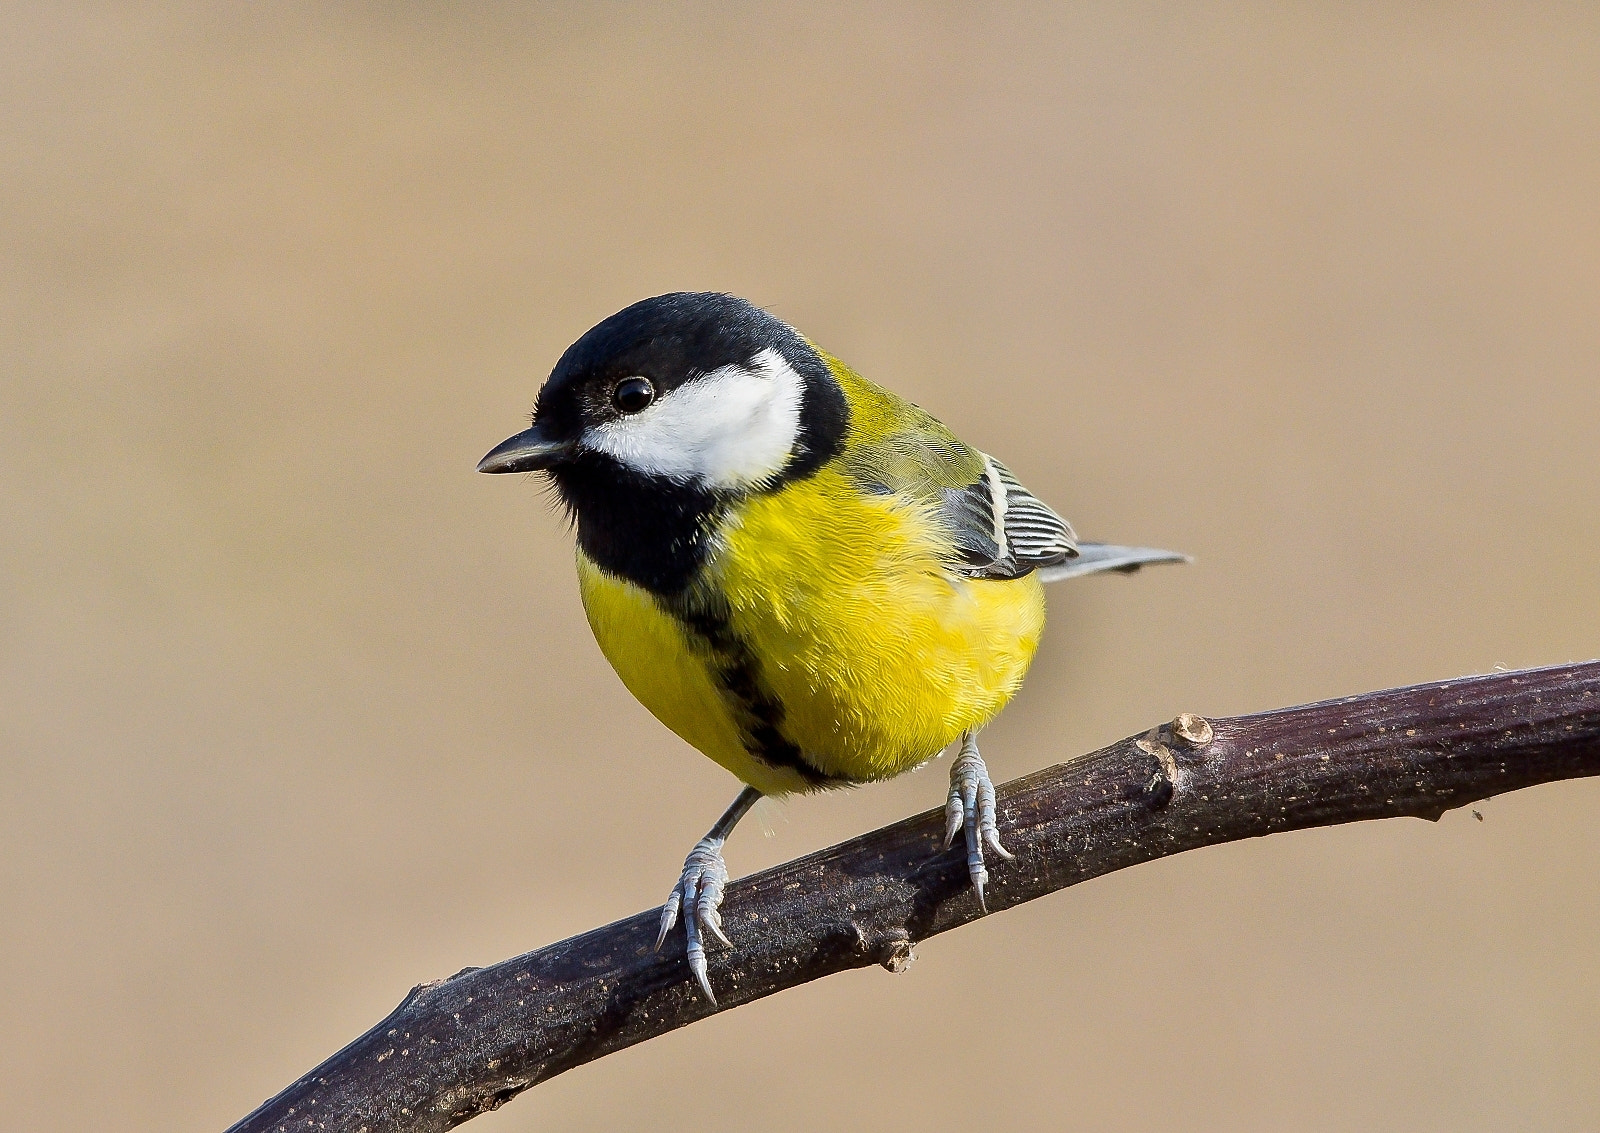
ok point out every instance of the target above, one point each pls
(807, 578)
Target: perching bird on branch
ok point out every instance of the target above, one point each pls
(809, 579)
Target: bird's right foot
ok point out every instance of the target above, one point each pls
(699, 895)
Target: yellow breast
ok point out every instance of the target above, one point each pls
(878, 656)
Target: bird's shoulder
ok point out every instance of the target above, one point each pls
(997, 528)
(893, 446)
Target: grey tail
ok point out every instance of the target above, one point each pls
(1096, 557)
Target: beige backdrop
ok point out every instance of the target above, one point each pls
(297, 710)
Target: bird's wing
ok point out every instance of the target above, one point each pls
(998, 529)
(1002, 529)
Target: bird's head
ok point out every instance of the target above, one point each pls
(689, 392)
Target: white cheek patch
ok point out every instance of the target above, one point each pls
(726, 429)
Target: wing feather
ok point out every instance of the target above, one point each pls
(1021, 531)
(998, 529)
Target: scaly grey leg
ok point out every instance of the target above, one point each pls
(971, 805)
(699, 891)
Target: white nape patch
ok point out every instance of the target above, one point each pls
(726, 429)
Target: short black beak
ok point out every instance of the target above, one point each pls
(531, 450)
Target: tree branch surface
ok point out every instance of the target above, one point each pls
(465, 1045)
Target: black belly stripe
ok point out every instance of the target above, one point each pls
(739, 674)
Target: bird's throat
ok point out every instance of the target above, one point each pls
(653, 532)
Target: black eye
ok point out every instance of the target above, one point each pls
(633, 394)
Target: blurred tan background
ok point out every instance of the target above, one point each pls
(296, 710)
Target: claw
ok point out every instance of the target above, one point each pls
(971, 806)
(696, 955)
(953, 816)
(711, 921)
(987, 829)
(669, 917)
(697, 965)
(991, 839)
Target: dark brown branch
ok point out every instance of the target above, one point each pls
(464, 1045)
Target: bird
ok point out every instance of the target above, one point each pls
(809, 579)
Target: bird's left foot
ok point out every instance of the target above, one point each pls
(971, 806)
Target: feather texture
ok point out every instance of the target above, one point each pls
(996, 527)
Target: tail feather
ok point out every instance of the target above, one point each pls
(1096, 557)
